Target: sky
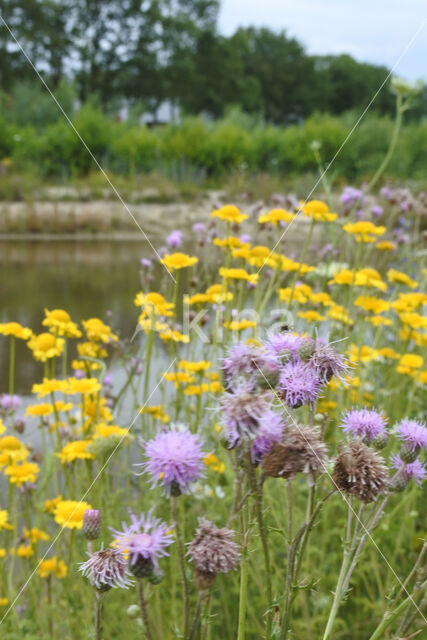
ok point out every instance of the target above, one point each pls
(376, 31)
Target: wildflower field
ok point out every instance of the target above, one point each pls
(258, 471)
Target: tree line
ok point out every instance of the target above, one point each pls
(147, 51)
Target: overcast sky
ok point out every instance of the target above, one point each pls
(375, 31)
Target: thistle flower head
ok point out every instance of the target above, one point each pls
(106, 569)
(298, 385)
(174, 460)
(247, 360)
(327, 361)
(300, 450)
(145, 540)
(213, 551)
(283, 345)
(415, 470)
(242, 412)
(270, 430)
(360, 471)
(364, 423)
(413, 433)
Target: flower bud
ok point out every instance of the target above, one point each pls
(91, 524)
(408, 454)
(380, 441)
(133, 611)
(156, 576)
(306, 348)
(142, 567)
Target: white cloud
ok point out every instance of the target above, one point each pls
(375, 31)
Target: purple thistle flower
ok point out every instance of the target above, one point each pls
(245, 238)
(145, 539)
(174, 239)
(79, 374)
(10, 402)
(364, 423)
(298, 385)
(242, 412)
(175, 460)
(106, 569)
(283, 344)
(108, 379)
(415, 470)
(377, 211)
(270, 430)
(199, 227)
(413, 433)
(327, 361)
(145, 262)
(247, 360)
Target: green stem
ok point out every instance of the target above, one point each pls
(98, 608)
(144, 609)
(243, 581)
(391, 616)
(304, 252)
(181, 556)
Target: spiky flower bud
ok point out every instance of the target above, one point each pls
(399, 482)
(156, 575)
(360, 471)
(213, 551)
(380, 441)
(301, 449)
(306, 348)
(91, 524)
(142, 567)
(408, 453)
(285, 355)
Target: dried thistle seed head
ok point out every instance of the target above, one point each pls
(105, 569)
(301, 450)
(213, 551)
(360, 471)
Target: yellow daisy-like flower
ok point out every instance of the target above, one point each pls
(217, 294)
(84, 385)
(214, 463)
(12, 450)
(43, 409)
(364, 230)
(179, 377)
(4, 524)
(339, 313)
(50, 505)
(76, 450)
(414, 320)
(385, 245)
(35, 534)
(311, 316)
(23, 551)
(154, 303)
(174, 335)
(232, 242)
(422, 377)
(238, 274)
(2, 552)
(2, 427)
(387, 352)
(19, 474)
(321, 297)
(370, 303)
(176, 261)
(275, 216)
(197, 298)
(240, 325)
(380, 320)
(409, 363)
(318, 210)
(69, 513)
(300, 294)
(16, 330)
(365, 353)
(60, 323)
(229, 213)
(49, 386)
(401, 278)
(107, 430)
(409, 301)
(157, 412)
(98, 331)
(4, 602)
(45, 346)
(196, 367)
(52, 567)
(94, 410)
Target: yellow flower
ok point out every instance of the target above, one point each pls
(107, 430)
(409, 301)
(4, 524)
(311, 316)
(174, 335)
(337, 312)
(240, 325)
(385, 246)
(196, 367)
(364, 353)
(275, 216)
(16, 330)
(76, 450)
(216, 293)
(60, 405)
(362, 278)
(409, 363)
(60, 323)
(318, 211)
(157, 412)
(98, 330)
(257, 256)
(380, 320)
(320, 298)
(49, 386)
(69, 513)
(85, 385)
(214, 463)
(364, 230)
(154, 303)
(179, 377)
(4, 602)
(197, 298)
(95, 410)
(196, 389)
(50, 505)
(2, 552)
(232, 242)
(2, 427)
(386, 352)
(370, 303)
(12, 450)
(179, 261)
(19, 474)
(52, 567)
(45, 346)
(34, 535)
(24, 551)
(422, 378)
(300, 294)
(229, 213)
(91, 350)
(238, 274)
(414, 320)
(401, 278)
(43, 409)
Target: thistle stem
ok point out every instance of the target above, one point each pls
(243, 577)
(98, 609)
(144, 609)
(181, 556)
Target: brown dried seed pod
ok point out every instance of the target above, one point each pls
(360, 471)
(301, 450)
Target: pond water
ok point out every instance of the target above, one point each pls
(86, 278)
